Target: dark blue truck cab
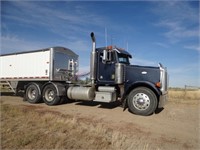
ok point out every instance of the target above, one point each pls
(142, 88)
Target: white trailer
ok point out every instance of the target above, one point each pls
(35, 70)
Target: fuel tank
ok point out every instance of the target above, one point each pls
(81, 93)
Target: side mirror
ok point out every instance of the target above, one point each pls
(105, 56)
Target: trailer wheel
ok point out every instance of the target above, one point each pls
(142, 101)
(50, 95)
(33, 93)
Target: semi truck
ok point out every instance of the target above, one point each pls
(50, 74)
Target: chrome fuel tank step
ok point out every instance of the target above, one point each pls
(105, 94)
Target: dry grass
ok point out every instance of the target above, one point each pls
(31, 127)
(25, 127)
(191, 97)
(184, 94)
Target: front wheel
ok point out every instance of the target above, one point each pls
(142, 101)
(50, 95)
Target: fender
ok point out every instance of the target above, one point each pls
(131, 86)
(60, 88)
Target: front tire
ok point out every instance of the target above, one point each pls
(50, 95)
(142, 101)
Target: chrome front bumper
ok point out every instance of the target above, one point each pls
(164, 79)
(163, 100)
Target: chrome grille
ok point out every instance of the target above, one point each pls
(164, 79)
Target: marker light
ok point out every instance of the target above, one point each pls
(109, 47)
(158, 84)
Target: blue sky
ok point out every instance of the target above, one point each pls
(152, 31)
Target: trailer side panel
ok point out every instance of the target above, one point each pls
(25, 66)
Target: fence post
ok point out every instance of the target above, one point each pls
(185, 91)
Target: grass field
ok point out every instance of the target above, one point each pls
(25, 128)
(183, 95)
(35, 127)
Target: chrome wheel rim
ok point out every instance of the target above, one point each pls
(49, 95)
(32, 94)
(141, 101)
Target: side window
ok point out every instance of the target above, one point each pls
(123, 59)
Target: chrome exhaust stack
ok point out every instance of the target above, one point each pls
(93, 60)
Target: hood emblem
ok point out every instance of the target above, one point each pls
(143, 72)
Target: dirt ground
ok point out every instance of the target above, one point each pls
(177, 126)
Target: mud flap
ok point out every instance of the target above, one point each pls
(124, 104)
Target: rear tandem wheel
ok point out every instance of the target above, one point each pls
(50, 95)
(33, 93)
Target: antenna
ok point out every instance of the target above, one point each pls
(127, 46)
(112, 40)
(106, 37)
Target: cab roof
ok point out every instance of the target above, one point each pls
(118, 50)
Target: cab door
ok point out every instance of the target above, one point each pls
(106, 67)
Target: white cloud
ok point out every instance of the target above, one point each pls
(176, 10)
(193, 47)
(184, 75)
(182, 80)
(177, 31)
(79, 45)
(161, 44)
(179, 18)
(13, 43)
(189, 68)
(58, 21)
(69, 26)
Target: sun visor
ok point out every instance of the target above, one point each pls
(123, 52)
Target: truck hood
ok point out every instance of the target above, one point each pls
(134, 73)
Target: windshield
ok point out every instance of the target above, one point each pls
(123, 59)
